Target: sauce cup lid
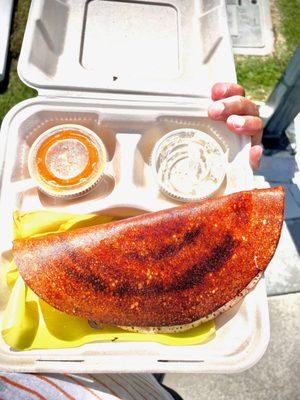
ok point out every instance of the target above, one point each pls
(189, 164)
(67, 161)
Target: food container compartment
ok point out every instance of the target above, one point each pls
(130, 103)
(129, 140)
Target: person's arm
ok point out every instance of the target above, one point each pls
(240, 114)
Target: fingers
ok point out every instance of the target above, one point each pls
(245, 125)
(255, 156)
(238, 105)
(241, 115)
(223, 90)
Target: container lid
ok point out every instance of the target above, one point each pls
(189, 164)
(67, 161)
(164, 48)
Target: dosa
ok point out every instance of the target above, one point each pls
(160, 271)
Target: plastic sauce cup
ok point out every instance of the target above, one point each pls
(67, 161)
(188, 164)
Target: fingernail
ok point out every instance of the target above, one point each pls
(255, 156)
(237, 121)
(217, 108)
(260, 150)
(223, 91)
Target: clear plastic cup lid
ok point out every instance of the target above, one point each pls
(189, 164)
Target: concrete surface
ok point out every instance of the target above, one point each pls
(275, 377)
(283, 273)
(250, 26)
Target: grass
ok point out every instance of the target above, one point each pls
(15, 92)
(257, 74)
(12, 90)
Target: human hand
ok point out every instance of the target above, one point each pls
(241, 115)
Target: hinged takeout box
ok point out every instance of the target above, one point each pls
(131, 71)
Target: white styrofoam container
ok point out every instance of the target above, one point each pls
(130, 105)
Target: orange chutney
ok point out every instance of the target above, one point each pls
(68, 158)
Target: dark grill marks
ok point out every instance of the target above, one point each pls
(190, 278)
(193, 276)
(214, 262)
(97, 283)
(192, 235)
(167, 250)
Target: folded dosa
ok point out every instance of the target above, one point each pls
(171, 267)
